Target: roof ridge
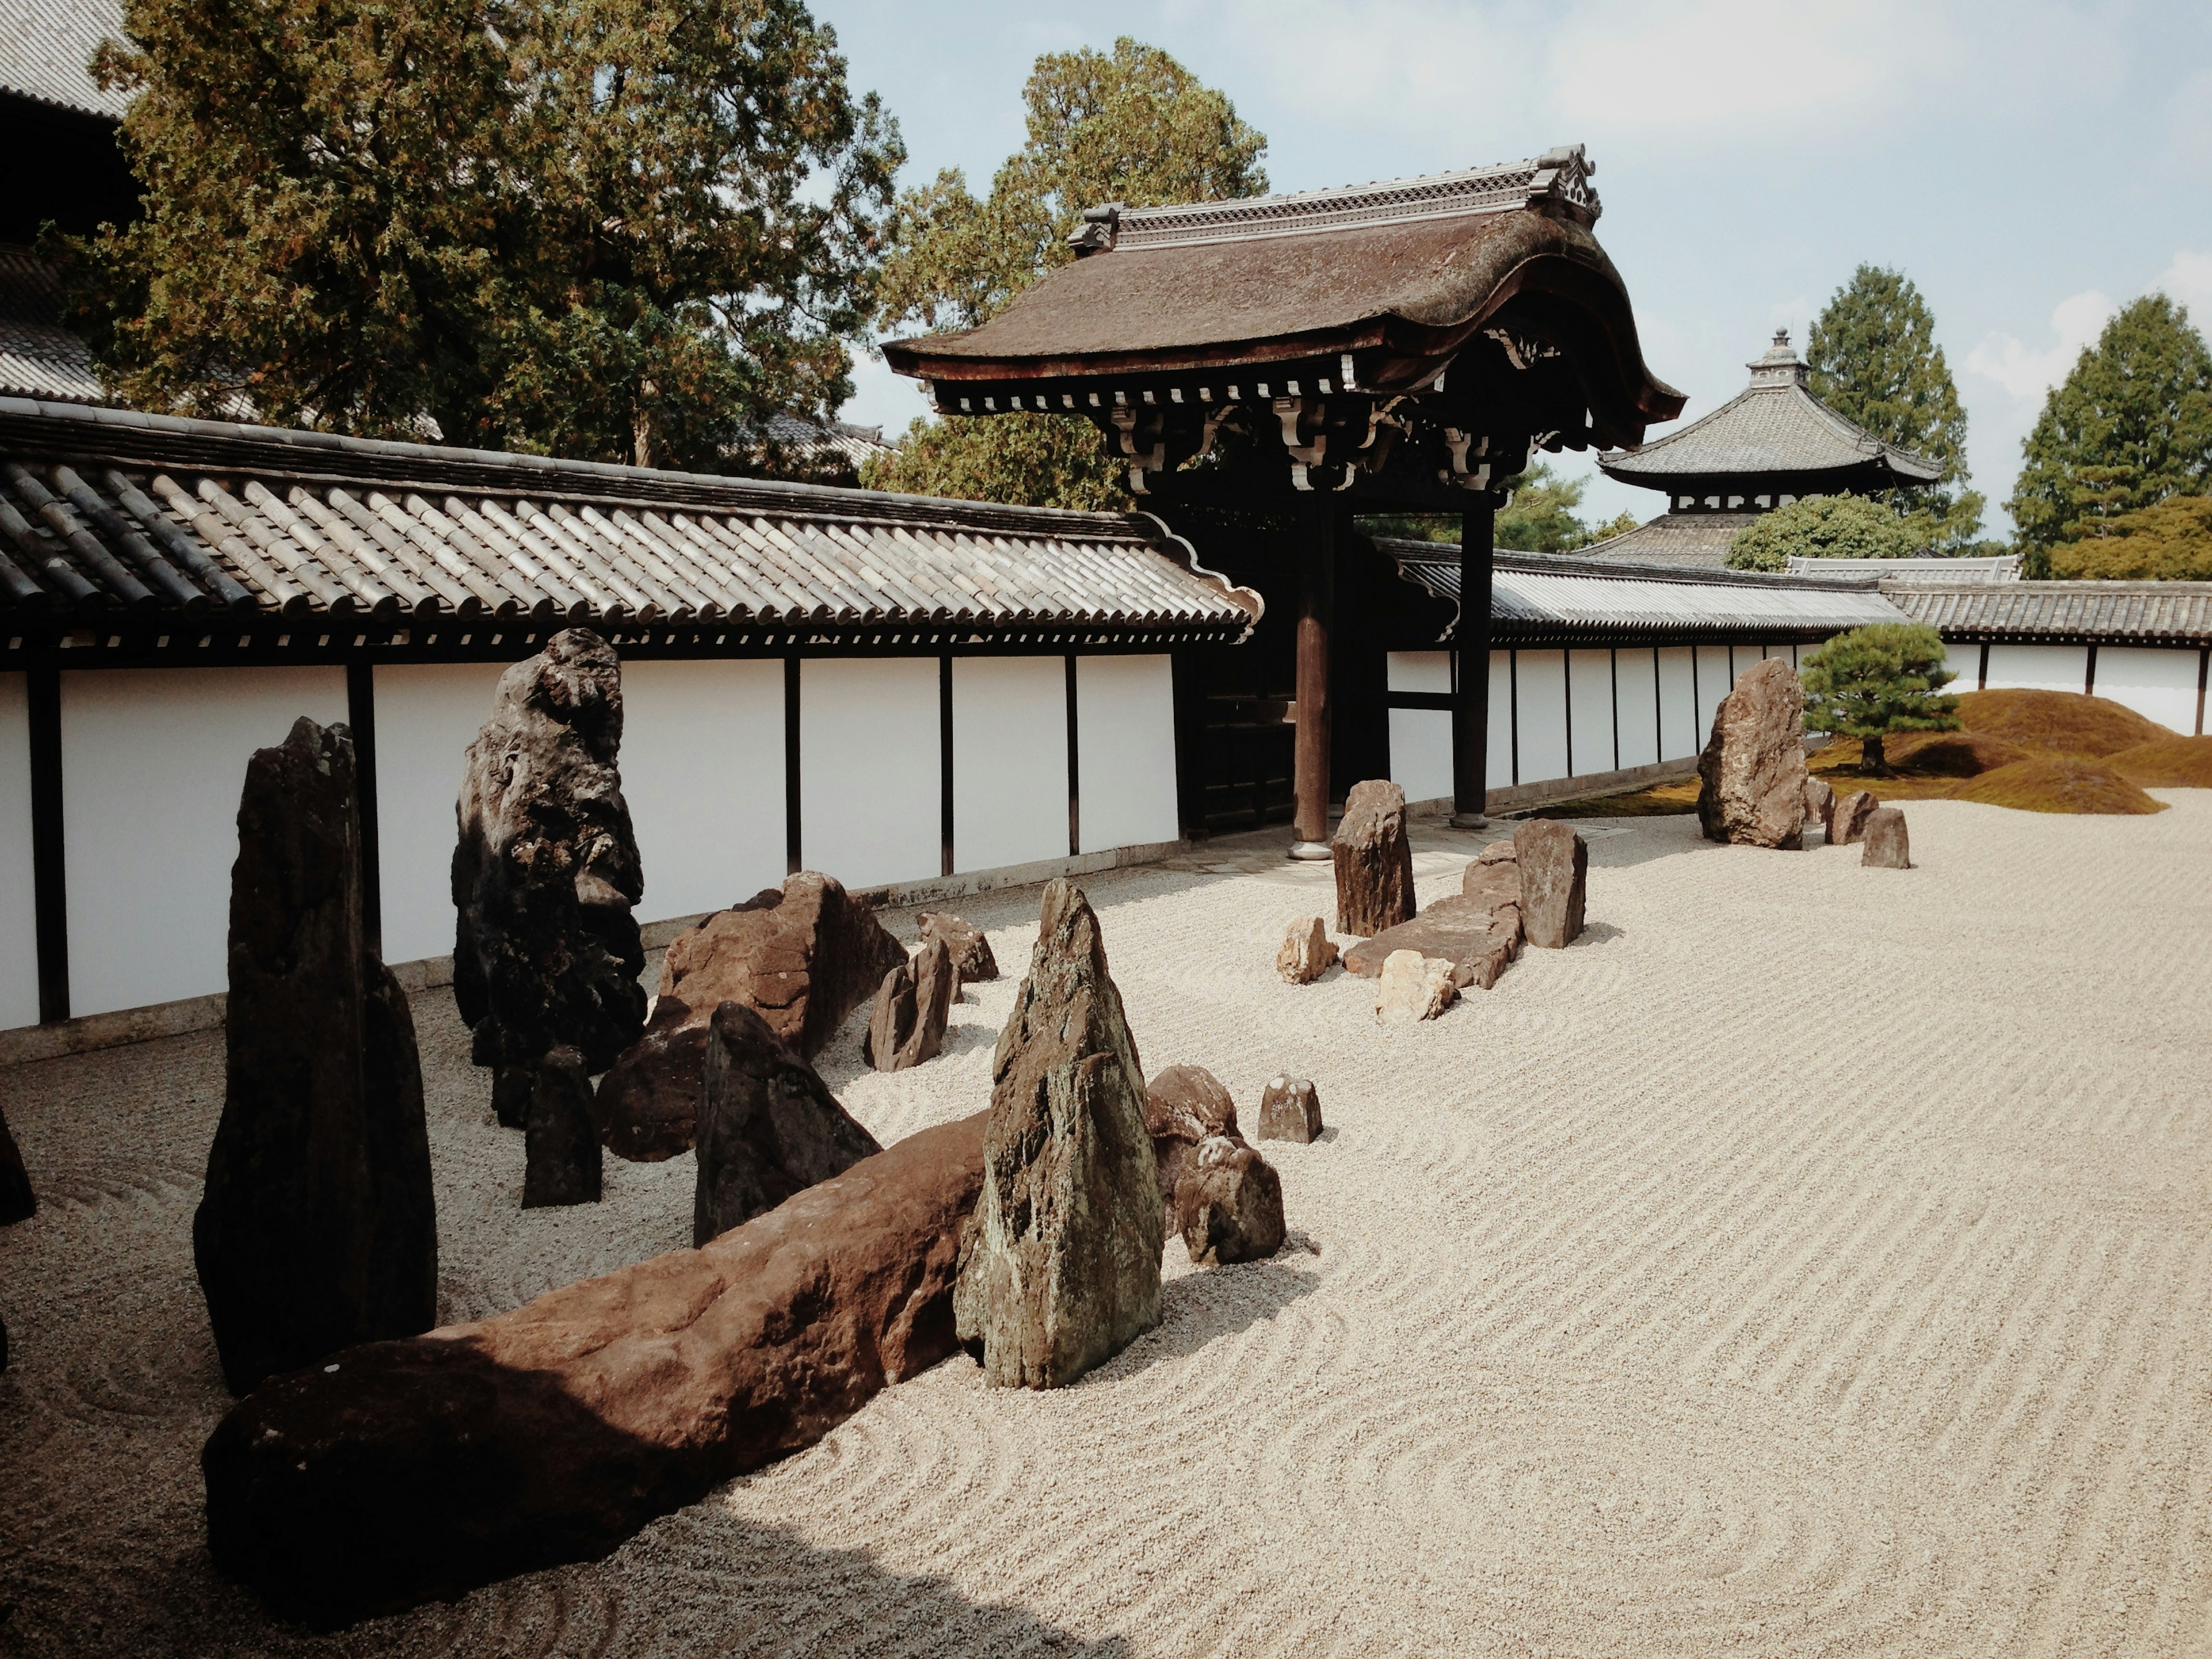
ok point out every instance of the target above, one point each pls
(1566, 564)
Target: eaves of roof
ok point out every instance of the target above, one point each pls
(2162, 613)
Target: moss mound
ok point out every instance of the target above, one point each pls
(2057, 783)
(2166, 763)
(2057, 722)
(1951, 754)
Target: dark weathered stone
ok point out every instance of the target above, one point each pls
(1473, 934)
(1306, 951)
(1061, 1266)
(892, 1019)
(1229, 1202)
(1183, 1105)
(1374, 859)
(562, 1150)
(17, 1201)
(971, 950)
(512, 1088)
(803, 957)
(1848, 822)
(1888, 846)
(415, 1470)
(1555, 865)
(547, 950)
(907, 1025)
(768, 1126)
(316, 1229)
(1819, 804)
(1751, 777)
(1289, 1109)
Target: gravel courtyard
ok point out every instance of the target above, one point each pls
(1812, 1259)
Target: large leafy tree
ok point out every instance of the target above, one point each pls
(2169, 542)
(1827, 527)
(1132, 126)
(1871, 681)
(615, 229)
(1874, 361)
(2130, 426)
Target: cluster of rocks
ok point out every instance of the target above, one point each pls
(317, 1228)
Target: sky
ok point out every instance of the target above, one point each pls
(2032, 165)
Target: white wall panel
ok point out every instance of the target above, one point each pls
(19, 937)
(1541, 712)
(702, 770)
(2039, 667)
(1008, 761)
(1590, 690)
(1419, 671)
(153, 762)
(1715, 681)
(1678, 712)
(1125, 751)
(869, 782)
(1966, 661)
(1498, 762)
(2160, 685)
(425, 715)
(1421, 752)
(1636, 690)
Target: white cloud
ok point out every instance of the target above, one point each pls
(2189, 280)
(2028, 375)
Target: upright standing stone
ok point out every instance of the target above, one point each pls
(1848, 822)
(907, 1025)
(1061, 1267)
(17, 1201)
(562, 1150)
(1289, 1109)
(1751, 777)
(1888, 846)
(316, 1229)
(1374, 860)
(547, 950)
(971, 950)
(1819, 804)
(1554, 865)
(768, 1126)
(1306, 951)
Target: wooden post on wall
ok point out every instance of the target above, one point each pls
(1075, 769)
(1471, 676)
(1309, 776)
(790, 760)
(48, 889)
(360, 716)
(945, 760)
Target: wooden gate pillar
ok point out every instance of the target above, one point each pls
(1316, 532)
(1471, 678)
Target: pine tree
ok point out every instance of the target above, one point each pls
(2130, 426)
(1874, 361)
(1132, 126)
(1884, 678)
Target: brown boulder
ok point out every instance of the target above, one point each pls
(1306, 951)
(768, 1126)
(1230, 1203)
(1061, 1266)
(17, 1201)
(803, 957)
(1183, 1106)
(908, 1023)
(1751, 777)
(1289, 1109)
(971, 950)
(1819, 803)
(1888, 846)
(415, 1470)
(1554, 865)
(1848, 822)
(1474, 937)
(546, 871)
(316, 1229)
(1374, 859)
(562, 1150)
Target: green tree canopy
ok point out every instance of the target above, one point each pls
(611, 228)
(1539, 517)
(1874, 361)
(2130, 426)
(1132, 126)
(1827, 527)
(1884, 678)
(2170, 542)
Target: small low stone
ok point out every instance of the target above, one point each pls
(1820, 804)
(1413, 987)
(907, 1025)
(561, 1142)
(1888, 846)
(1289, 1109)
(1308, 951)
(971, 950)
(1231, 1202)
(1847, 822)
(1498, 852)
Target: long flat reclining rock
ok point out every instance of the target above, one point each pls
(405, 1471)
(1463, 929)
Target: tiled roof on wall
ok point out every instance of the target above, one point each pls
(2163, 613)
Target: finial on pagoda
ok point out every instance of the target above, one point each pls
(1781, 366)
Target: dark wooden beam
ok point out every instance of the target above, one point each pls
(49, 885)
(1272, 492)
(1471, 685)
(945, 762)
(790, 762)
(1316, 540)
(1074, 771)
(361, 715)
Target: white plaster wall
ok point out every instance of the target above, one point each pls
(1419, 671)
(1125, 751)
(1677, 715)
(1541, 710)
(1420, 739)
(869, 782)
(1590, 689)
(1636, 686)
(1715, 681)
(2039, 667)
(1008, 761)
(153, 760)
(426, 715)
(1498, 762)
(1966, 661)
(702, 771)
(19, 936)
(2160, 685)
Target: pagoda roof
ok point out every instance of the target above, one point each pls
(1775, 435)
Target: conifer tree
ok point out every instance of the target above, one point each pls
(1874, 361)
(1871, 681)
(2130, 426)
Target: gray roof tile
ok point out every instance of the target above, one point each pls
(46, 47)
(2164, 613)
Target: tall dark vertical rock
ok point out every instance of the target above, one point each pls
(562, 1150)
(316, 1229)
(17, 1201)
(907, 1025)
(546, 871)
(1060, 1265)
(1554, 864)
(1374, 860)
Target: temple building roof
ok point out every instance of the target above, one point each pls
(45, 52)
(1774, 440)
